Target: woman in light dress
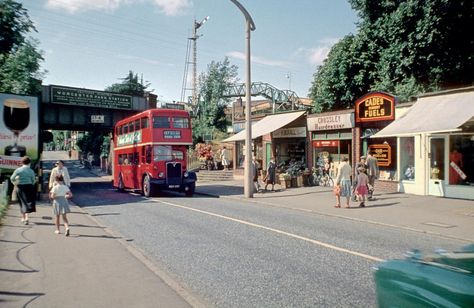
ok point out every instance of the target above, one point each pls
(343, 180)
(60, 194)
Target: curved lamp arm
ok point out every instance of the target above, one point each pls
(246, 14)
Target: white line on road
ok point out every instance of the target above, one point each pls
(355, 253)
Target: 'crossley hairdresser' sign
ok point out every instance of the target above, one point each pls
(330, 122)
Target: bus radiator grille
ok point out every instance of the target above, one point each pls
(173, 173)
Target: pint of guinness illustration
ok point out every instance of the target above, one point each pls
(16, 116)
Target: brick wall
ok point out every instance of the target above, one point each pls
(386, 186)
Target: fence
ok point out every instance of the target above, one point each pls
(193, 161)
(4, 198)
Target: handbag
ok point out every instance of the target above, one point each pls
(14, 195)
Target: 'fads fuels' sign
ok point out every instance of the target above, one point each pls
(375, 106)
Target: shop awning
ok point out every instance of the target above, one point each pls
(268, 124)
(433, 114)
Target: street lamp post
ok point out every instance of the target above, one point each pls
(248, 180)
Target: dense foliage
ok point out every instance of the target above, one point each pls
(19, 55)
(130, 85)
(95, 142)
(209, 116)
(403, 47)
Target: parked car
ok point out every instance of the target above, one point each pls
(441, 279)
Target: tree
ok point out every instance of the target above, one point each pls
(19, 57)
(403, 47)
(14, 25)
(20, 71)
(131, 85)
(93, 142)
(211, 104)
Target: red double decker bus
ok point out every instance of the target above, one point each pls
(150, 151)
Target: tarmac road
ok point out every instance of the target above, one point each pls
(288, 248)
(236, 253)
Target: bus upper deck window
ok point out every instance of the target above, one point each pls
(144, 122)
(137, 124)
(161, 122)
(125, 128)
(180, 122)
(131, 127)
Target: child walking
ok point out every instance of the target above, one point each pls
(59, 194)
(362, 185)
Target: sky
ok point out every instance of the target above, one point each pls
(93, 43)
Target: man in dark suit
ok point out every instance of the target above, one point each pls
(372, 172)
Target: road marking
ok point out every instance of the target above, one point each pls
(438, 224)
(355, 253)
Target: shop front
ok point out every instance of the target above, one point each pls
(436, 145)
(281, 135)
(373, 112)
(331, 138)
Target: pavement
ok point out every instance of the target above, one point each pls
(97, 267)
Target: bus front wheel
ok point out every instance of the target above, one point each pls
(147, 187)
(190, 191)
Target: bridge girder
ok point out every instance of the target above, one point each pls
(282, 100)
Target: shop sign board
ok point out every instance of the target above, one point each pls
(330, 122)
(240, 126)
(383, 153)
(325, 143)
(290, 132)
(375, 106)
(90, 98)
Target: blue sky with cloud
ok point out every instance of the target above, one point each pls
(93, 43)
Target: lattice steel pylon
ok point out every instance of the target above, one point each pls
(192, 40)
(282, 100)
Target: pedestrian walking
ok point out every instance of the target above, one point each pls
(224, 158)
(361, 189)
(358, 166)
(255, 167)
(24, 179)
(60, 193)
(372, 172)
(270, 177)
(343, 180)
(59, 169)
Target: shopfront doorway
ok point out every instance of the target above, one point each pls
(437, 175)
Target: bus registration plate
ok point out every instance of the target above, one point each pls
(173, 186)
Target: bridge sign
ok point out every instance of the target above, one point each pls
(90, 98)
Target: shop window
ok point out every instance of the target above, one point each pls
(461, 156)
(240, 154)
(437, 146)
(407, 158)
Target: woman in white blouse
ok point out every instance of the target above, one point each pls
(343, 180)
(60, 169)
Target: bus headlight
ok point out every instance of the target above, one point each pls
(186, 174)
(161, 174)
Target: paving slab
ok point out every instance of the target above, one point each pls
(90, 268)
